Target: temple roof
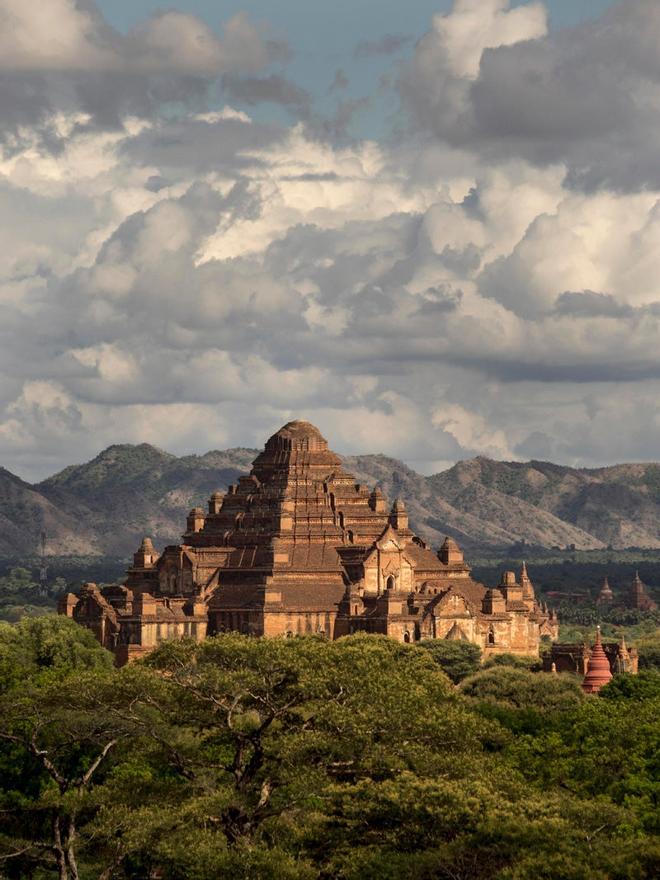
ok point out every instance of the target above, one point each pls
(298, 435)
(298, 430)
(297, 500)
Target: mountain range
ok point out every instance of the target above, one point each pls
(105, 506)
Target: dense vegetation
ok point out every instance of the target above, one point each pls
(303, 759)
(579, 572)
(22, 594)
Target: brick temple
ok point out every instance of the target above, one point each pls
(298, 546)
(575, 658)
(636, 596)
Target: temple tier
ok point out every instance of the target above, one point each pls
(298, 546)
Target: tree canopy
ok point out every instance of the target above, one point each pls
(456, 659)
(306, 759)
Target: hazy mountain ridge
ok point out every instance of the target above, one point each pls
(130, 491)
(104, 507)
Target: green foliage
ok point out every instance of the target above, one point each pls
(580, 571)
(605, 749)
(645, 686)
(456, 659)
(533, 664)
(51, 643)
(302, 759)
(644, 635)
(590, 614)
(649, 651)
(21, 595)
(522, 689)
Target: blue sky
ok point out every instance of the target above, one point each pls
(323, 38)
(304, 21)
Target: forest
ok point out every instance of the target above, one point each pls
(302, 759)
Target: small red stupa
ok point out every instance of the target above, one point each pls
(598, 670)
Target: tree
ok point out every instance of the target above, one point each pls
(522, 701)
(58, 727)
(59, 734)
(21, 594)
(642, 687)
(456, 659)
(649, 653)
(604, 748)
(533, 664)
(522, 689)
(303, 759)
(37, 644)
(337, 702)
(267, 733)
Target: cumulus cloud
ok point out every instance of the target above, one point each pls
(195, 282)
(297, 278)
(491, 78)
(63, 56)
(71, 35)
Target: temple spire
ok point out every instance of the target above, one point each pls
(527, 586)
(639, 598)
(598, 669)
(605, 595)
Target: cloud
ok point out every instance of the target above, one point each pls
(71, 35)
(491, 78)
(388, 44)
(589, 304)
(196, 281)
(274, 89)
(472, 431)
(59, 35)
(291, 276)
(62, 56)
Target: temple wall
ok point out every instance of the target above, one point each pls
(514, 635)
(292, 623)
(401, 630)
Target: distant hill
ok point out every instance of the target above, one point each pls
(105, 506)
(476, 515)
(25, 512)
(130, 491)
